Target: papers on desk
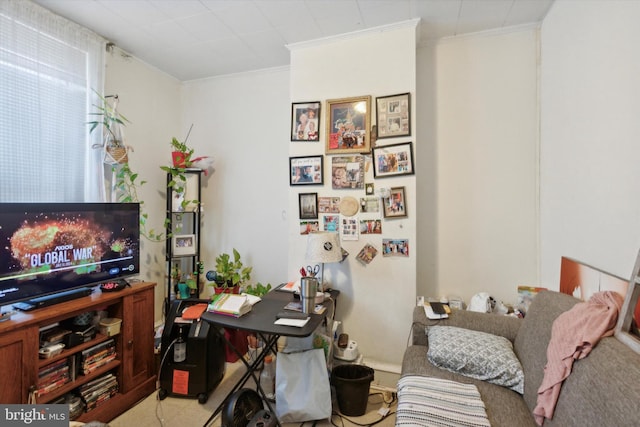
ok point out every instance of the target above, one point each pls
(289, 287)
(297, 306)
(292, 322)
(232, 304)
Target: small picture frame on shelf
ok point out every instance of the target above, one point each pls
(184, 244)
(305, 121)
(393, 115)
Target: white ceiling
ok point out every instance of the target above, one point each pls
(191, 39)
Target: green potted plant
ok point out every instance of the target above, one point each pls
(110, 121)
(181, 154)
(181, 158)
(230, 273)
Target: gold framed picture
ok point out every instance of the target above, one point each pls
(347, 125)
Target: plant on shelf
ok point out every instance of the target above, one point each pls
(125, 183)
(181, 157)
(230, 272)
(181, 154)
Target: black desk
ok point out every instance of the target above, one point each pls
(260, 321)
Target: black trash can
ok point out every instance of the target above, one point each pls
(352, 388)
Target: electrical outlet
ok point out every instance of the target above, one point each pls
(420, 300)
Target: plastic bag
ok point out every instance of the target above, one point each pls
(303, 392)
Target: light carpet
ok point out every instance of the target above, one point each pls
(184, 412)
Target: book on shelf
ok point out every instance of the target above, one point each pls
(87, 368)
(98, 347)
(51, 368)
(51, 386)
(99, 390)
(99, 355)
(231, 305)
(54, 375)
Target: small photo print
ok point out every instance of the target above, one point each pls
(329, 204)
(349, 229)
(330, 223)
(367, 254)
(395, 247)
(307, 227)
(370, 226)
(369, 204)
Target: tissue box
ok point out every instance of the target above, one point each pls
(110, 326)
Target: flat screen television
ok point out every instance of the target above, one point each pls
(48, 248)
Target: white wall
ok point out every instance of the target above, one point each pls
(242, 121)
(590, 128)
(478, 196)
(151, 101)
(376, 300)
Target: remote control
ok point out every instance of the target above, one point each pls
(291, 315)
(23, 306)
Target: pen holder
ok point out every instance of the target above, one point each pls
(308, 290)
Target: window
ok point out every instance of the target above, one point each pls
(48, 68)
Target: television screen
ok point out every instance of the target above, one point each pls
(47, 248)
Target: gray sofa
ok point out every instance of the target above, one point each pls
(602, 390)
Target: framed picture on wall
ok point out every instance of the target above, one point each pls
(347, 172)
(393, 115)
(393, 160)
(184, 244)
(305, 121)
(347, 125)
(306, 170)
(308, 205)
(395, 206)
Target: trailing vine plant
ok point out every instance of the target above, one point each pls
(125, 180)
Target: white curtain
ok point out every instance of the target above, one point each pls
(49, 69)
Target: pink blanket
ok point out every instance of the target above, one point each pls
(573, 334)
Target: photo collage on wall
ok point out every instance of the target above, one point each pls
(359, 155)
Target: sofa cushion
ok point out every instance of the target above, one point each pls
(475, 354)
(505, 407)
(533, 338)
(505, 326)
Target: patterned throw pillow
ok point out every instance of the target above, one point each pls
(474, 354)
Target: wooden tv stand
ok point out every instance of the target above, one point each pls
(133, 365)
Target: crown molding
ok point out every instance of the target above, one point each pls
(411, 23)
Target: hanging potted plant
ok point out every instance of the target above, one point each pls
(230, 273)
(126, 182)
(112, 122)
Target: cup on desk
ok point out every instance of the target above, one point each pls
(308, 290)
